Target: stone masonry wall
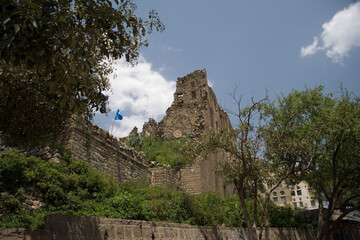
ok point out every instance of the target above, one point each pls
(104, 152)
(164, 176)
(62, 227)
(194, 112)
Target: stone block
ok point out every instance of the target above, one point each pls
(120, 232)
(147, 232)
(136, 232)
(128, 232)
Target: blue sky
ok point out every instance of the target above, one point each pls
(277, 45)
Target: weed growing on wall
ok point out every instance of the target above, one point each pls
(164, 152)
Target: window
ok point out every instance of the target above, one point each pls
(313, 204)
(205, 96)
(283, 199)
(309, 190)
(274, 193)
(292, 193)
(282, 193)
(301, 204)
(295, 204)
(275, 199)
(193, 95)
(298, 192)
(294, 199)
(297, 187)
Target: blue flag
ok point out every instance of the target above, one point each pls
(118, 115)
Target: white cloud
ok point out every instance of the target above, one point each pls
(140, 93)
(211, 83)
(171, 49)
(339, 36)
(310, 49)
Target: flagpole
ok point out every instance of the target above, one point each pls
(112, 126)
(118, 116)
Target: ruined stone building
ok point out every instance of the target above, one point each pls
(194, 112)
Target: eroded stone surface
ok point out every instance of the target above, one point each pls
(194, 112)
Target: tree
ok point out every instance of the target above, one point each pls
(247, 168)
(64, 46)
(322, 131)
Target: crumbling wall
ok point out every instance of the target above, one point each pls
(194, 112)
(104, 152)
(150, 129)
(164, 176)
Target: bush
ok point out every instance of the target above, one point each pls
(234, 214)
(165, 152)
(76, 188)
(209, 209)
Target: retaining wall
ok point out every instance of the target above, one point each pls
(62, 227)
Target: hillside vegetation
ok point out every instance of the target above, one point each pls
(77, 189)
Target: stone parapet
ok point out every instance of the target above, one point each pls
(104, 152)
(62, 227)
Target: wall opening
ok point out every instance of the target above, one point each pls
(193, 95)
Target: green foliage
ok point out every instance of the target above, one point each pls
(165, 152)
(75, 188)
(54, 59)
(319, 133)
(10, 202)
(24, 219)
(209, 209)
(234, 214)
(63, 187)
(28, 111)
(281, 216)
(134, 140)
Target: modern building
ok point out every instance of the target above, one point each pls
(300, 195)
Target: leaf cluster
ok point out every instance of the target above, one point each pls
(57, 52)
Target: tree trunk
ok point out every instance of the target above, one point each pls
(319, 234)
(255, 190)
(266, 213)
(251, 231)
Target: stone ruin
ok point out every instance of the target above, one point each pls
(193, 112)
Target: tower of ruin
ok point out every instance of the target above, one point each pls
(194, 112)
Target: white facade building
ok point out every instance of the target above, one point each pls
(299, 195)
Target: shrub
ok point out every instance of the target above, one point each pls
(76, 188)
(165, 152)
(209, 209)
